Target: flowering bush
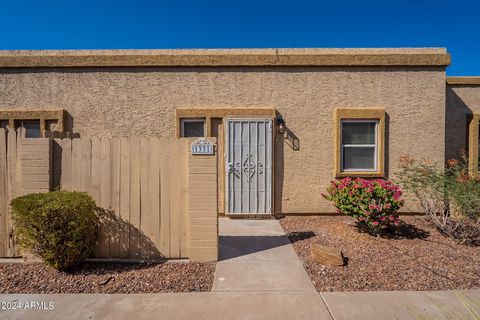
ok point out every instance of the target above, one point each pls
(374, 203)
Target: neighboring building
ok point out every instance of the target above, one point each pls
(288, 121)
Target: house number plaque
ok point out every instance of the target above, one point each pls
(202, 146)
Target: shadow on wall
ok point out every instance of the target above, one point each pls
(386, 161)
(68, 121)
(457, 117)
(119, 239)
(57, 156)
(290, 140)
(57, 165)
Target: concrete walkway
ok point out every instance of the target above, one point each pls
(259, 277)
(256, 255)
(252, 305)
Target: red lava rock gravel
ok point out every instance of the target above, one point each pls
(108, 278)
(421, 259)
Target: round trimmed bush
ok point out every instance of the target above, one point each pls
(59, 227)
(373, 203)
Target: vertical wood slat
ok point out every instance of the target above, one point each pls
(155, 199)
(95, 182)
(86, 164)
(76, 172)
(174, 199)
(13, 182)
(12, 163)
(124, 236)
(115, 197)
(96, 170)
(145, 203)
(105, 195)
(66, 177)
(3, 195)
(135, 197)
(165, 185)
(183, 194)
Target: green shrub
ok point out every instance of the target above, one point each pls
(59, 227)
(374, 203)
(449, 195)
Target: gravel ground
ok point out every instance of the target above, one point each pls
(419, 258)
(108, 278)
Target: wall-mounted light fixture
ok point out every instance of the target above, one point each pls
(280, 125)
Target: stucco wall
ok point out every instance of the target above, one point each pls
(122, 101)
(462, 101)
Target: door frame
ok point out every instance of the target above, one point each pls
(272, 171)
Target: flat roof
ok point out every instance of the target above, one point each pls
(464, 80)
(225, 57)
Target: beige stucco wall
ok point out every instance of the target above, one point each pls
(123, 101)
(462, 101)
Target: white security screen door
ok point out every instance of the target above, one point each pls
(249, 166)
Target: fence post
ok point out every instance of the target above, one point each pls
(202, 210)
(35, 165)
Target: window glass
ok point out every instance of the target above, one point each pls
(359, 145)
(32, 127)
(3, 124)
(357, 158)
(358, 132)
(193, 128)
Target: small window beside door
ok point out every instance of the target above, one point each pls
(192, 127)
(359, 142)
(32, 128)
(35, 122)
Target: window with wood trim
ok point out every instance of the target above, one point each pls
(359, 142)
(35, 122)
(192, 127)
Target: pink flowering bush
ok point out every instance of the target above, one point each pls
(373, 203)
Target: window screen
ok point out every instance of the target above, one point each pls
(193, 127)
(359, 145)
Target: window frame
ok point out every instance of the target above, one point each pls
(473, 136)
(375, 146)
(360, 115)
(43, 116)
(186, 120)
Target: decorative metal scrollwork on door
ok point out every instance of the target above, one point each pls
(249, 167)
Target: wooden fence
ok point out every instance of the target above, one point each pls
(145, 187)
(140, 183)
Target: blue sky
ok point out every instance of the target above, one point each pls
(102, 24)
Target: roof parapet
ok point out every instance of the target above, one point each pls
(463, 80)
(225, 57)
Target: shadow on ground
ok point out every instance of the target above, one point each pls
(403, 231)
(237, 246)
(99, 268)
